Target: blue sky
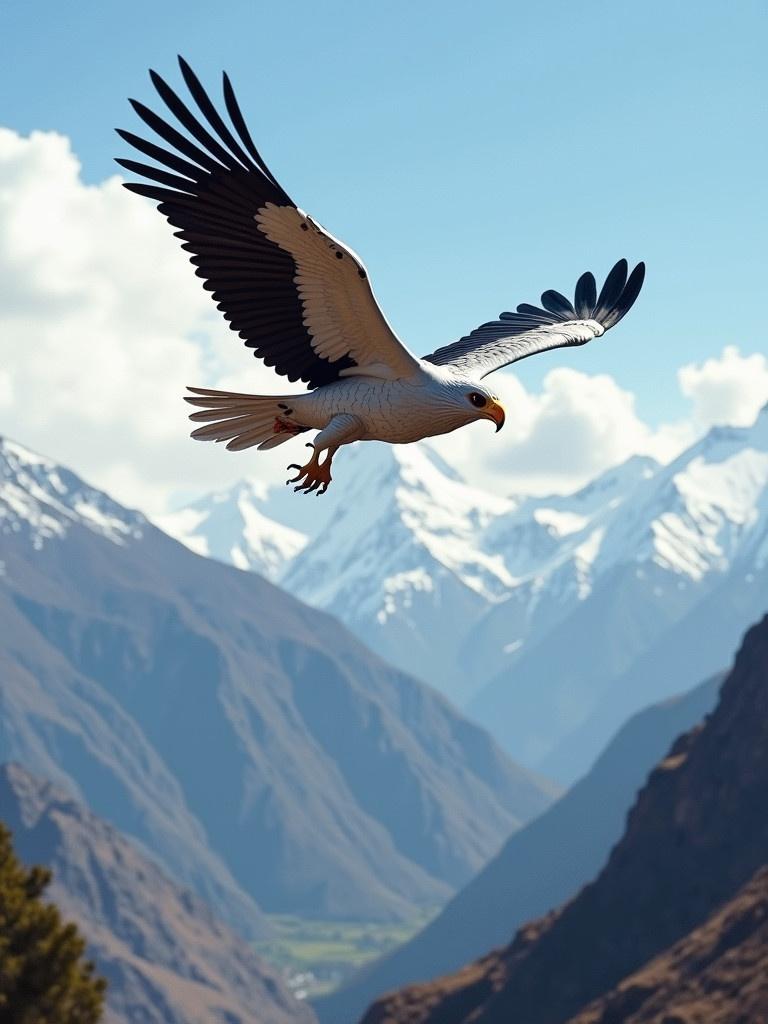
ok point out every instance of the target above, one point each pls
(475, 154)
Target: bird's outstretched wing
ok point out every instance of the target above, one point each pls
(296, 295)
(531, 329)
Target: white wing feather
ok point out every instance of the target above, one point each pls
(558, 323)
(340, 310)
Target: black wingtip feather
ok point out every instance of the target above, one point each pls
(236, 115)
(616, 298)
(212, 115)
(149, 191)
(191, 123)
(175, 138)
(585, 296)
(627, 298)
(558, 305)
(526, 309)
(611, 290)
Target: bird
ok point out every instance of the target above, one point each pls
(303, 301)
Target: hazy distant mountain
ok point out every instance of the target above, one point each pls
(683, 892)
(499, 602)
(395, 552)
(430, 572)
(401, 561)
(166, 957)
(540, 866)
(234, 731)
(669, 611)
(704, 637)
(232, 526)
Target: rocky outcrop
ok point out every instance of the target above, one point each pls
(717, 974)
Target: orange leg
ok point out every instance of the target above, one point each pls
(315, 474)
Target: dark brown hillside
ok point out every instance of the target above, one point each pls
(716, 975)
(697, 834)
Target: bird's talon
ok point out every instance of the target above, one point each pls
(314, 477)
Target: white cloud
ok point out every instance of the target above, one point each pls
(556, 440)
(102, 323)
(579, 425)
(729, 389)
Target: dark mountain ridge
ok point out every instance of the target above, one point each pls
(539, 867)
(697, 834)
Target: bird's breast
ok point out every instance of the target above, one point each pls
(395, 411)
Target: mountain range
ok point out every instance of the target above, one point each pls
(257, 750)
(673, 928)
(539, 867)
(498, 600)
(167, 959)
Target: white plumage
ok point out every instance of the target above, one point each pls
(303, 301)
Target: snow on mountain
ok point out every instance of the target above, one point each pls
(703, 506)
(555, 548)
(693, 529)
(43, 500)
(411, 557)
(232, 526)
(543, 535)
(402, 561)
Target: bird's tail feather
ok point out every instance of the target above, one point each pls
(243, 420)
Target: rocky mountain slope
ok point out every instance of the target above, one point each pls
(248, 741)
(168, 960)
(498, 601)
(696, 837)
(540, 866)
(717, 974)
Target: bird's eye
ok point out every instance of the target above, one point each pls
(478, 400)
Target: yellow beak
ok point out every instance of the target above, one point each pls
(495, 412)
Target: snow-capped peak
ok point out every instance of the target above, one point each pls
(399, 504)
(231, 525)
(702, 507)
(43, 500)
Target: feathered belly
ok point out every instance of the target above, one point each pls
(390, 411)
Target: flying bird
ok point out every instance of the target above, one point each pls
(302, 300)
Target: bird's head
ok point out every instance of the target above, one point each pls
(481, 404)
